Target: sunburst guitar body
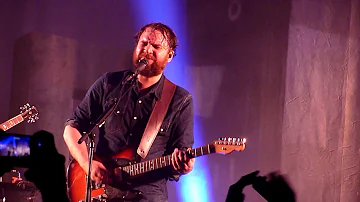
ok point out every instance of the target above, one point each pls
(124, 170)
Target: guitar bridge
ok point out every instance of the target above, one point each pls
(100, 198)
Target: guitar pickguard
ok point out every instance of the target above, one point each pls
(118, 190)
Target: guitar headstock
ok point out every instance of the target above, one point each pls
(29, 112)
(227, 145)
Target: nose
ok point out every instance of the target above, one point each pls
(148, 49)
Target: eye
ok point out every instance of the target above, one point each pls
(156, 46)
(144, 43)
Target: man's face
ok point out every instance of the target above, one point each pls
(155, 49)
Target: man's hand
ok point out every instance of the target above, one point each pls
(181, 162)
(98, 171)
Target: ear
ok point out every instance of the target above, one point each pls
(171, 55)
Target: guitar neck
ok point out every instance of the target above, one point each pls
(11, 122)
(164, 161)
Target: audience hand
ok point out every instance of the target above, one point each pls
(235, 193)
(275, 189)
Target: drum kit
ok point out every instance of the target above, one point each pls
(15, 189)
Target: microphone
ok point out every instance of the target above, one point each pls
(142, 63)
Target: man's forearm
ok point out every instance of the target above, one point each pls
(78, 151)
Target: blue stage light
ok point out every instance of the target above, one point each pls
(193, 186)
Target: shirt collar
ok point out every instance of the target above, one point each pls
(157, 89)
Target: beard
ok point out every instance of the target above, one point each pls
(154, 67)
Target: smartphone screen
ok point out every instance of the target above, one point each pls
(15, 149)
(14, 145)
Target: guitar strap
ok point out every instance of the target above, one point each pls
(156, 118)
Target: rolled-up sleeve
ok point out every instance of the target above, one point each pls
(183, 130)
(90, 107)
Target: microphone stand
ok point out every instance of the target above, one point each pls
(99, 123)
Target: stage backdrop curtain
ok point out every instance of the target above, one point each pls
(320, 139)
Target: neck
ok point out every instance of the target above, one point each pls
(146, 82)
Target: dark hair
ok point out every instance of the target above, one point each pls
(166, 31)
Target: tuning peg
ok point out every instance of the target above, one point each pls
(244, 140)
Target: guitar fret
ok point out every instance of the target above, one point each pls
(131, 171)
(142, 167)
(19, 119)
(204, 150)
(136, 169)
(151, 165)
(16, 119)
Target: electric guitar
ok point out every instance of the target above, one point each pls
(76, 176)
(26, 112)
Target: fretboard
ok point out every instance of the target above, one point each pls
(164, 161)
(11, 122)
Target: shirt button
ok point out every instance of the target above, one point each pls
(118, 112)
(161, 130)
(135, 117)
(130, 134)
(140, 101)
